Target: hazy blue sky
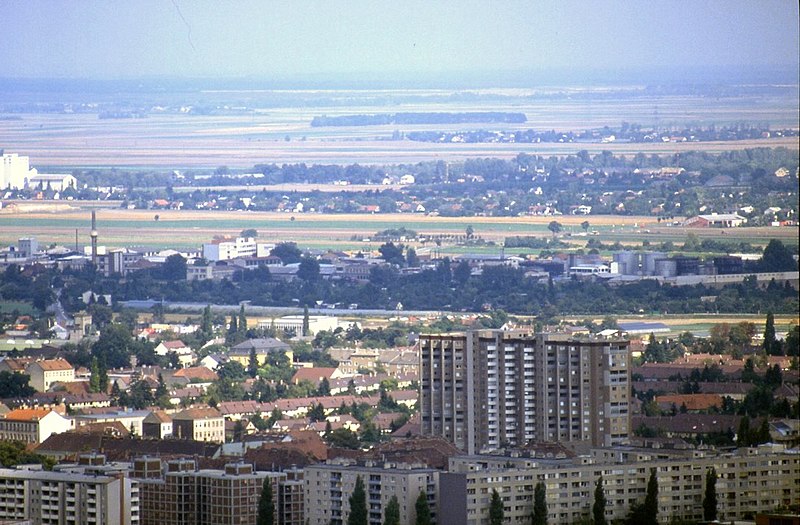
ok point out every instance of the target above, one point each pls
(260, 38)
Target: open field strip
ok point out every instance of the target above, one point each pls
(209, 154)
(57, 223)
(266, 134)
(700, 324)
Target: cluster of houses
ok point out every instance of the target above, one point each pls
(64, 400)
(698, 413)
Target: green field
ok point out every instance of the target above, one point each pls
(23, 307)
(52, 222)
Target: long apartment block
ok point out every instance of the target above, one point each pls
(491, 389)
(750, 480)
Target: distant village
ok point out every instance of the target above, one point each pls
(600, 185)
(125, 408)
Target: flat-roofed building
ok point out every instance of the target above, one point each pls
(15, 171)
(328, 488)
(52, 181)
(180, 494)
(489, 389)
(294, 323)
(225, 249)
(748, 481)
(76, 495)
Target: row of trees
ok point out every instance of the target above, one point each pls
(453, 287)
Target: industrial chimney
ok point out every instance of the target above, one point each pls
(93, 235)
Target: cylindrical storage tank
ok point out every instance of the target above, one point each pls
(666, 268)
(649, 262)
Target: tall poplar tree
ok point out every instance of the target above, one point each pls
(496, 513)
(651, 500)
(540, 504)
(599, 507)
(207, 324)
(771, 344)
(392, 514)
(305, 321)
(252, 363)
(358, 504)
(266, 508)
(710, 496)
(423, 510)
(242, 321)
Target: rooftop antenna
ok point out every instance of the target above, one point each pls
(93, 235)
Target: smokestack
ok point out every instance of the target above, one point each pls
(93, 235)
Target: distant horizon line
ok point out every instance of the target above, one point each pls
(788, 74)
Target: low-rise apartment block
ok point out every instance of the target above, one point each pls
(44, 373)
(199, 424)
(76, 495)
(32, 425)
(328, 488)
(750, 480)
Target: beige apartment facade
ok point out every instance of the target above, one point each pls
(750, 480)
(68, 498)
(44, 373)
(328, 488)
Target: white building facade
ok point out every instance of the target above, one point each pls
(15, 172)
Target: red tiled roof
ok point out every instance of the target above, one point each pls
(174, 344)
(198, 413)
(692, 401)
(312, 375)
(27, 414)
(50, 365)
(196, 373)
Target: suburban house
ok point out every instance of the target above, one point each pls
(14, 364)
(315, 375)
(212, 361)
(184, 353)
(195, 374)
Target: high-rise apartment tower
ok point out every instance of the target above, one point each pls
(489, 389)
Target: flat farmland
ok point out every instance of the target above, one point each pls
(700, 324)
(54, 222)
(274, 134)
